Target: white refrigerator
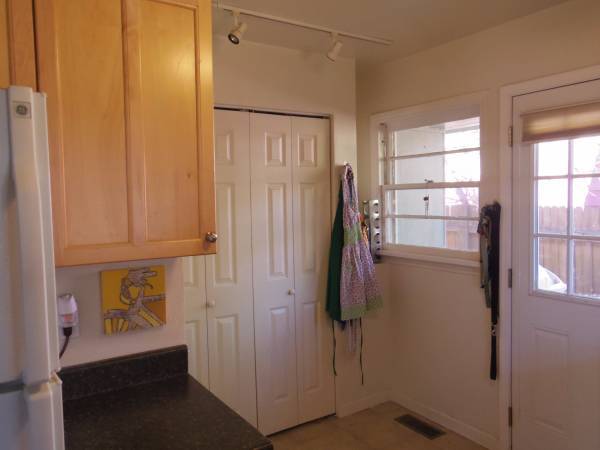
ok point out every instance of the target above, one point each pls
(30, 391)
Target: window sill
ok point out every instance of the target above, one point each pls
(430, 258)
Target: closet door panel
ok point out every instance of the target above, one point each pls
(312, 229)
(194, 295)
(229, 272)
(273, 272)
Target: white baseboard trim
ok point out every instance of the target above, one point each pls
(464, 429)
(363, 403)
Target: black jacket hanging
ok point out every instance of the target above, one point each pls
(489, 248)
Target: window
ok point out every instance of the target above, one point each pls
(429, 171)
(567, 216)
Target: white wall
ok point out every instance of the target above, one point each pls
(440, 324)
(271, 77)
(92, 344)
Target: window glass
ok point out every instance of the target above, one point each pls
(586, 155)
(552, 196)
(425, 214)
(552, 265)
(586, 267)
(452, 202)
(440, 233)
(567, 194)
(553, 158)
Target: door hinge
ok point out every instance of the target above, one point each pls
(510, 416)
(510, 136)
(510, 278)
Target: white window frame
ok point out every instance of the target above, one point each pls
(448, 110)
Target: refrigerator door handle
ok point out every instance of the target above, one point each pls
(31, 177)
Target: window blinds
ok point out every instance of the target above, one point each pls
(562, 123)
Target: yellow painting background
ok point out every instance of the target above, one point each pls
(111, 296)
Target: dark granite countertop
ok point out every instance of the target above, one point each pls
(175, 412)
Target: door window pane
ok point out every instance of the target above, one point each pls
(552, 158)
(570, 262)
(586, 206)
(586, 268)
(552, 265)
(586, 155)
(552, 204)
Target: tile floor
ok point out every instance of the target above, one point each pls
(371, 429)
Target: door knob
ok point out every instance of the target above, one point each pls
(211, 304)
(291, 292)
(211, 236)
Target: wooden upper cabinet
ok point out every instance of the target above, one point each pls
(17, 46)
(4, 48)
(129, 86)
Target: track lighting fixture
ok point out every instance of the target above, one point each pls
(336, 47)
(236, 33)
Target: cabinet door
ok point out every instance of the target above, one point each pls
(273, 270)
(312, 229)
(229, 292)
(130, 127)
(4, 49)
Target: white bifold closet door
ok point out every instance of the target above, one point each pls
(290, 234)
(218, 288)
(312, 230)
(230, 315)
(256, 325)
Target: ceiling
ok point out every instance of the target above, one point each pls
(413, 25)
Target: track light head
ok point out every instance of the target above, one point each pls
(335, 48)
(238, 30)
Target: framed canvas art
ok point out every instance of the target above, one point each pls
(133, 299)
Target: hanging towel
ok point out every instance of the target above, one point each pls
(358, 287)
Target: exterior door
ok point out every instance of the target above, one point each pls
(273, 272)
(229, 274)
(556, 294)
(312, 225)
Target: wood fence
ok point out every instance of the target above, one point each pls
(586, 254)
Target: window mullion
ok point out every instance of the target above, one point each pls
(570, 243)
(439, 153)
(434, 185)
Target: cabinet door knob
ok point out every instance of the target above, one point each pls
(211, 236)
(291, 292)
(211, 304)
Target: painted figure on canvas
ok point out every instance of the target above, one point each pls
(133, 298)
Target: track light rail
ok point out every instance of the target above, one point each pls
(297, 23)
